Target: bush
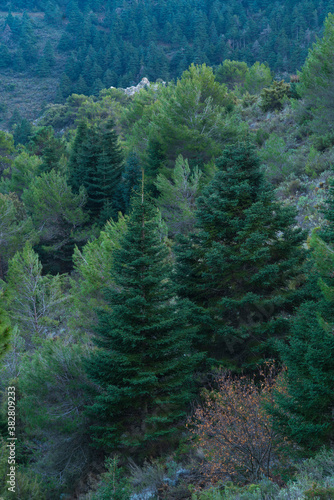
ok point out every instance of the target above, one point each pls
(114, 485)
(320, 493)
(277, 158)
(273, 96)
(233, 430)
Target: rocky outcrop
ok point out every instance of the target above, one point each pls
(143, 83)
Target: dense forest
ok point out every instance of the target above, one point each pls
(167, 254)
(60, 48)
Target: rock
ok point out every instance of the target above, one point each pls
(143, 83)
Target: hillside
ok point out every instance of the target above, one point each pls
(56, 49)
(166, 250)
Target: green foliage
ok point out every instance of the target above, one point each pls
(6, 150)
(319, 493)
(273, 96)
(131, 180)
(33, 300)
(144, 363)
(58, 217)
(257, 77)
(93, 265)
(5, 333)
(303, 411)
(27, 484)
(96, 163)
(108, 173)
(233, 73)
(304, 407)
(177, 197)
(316, 81)
(51, 407)
(21, 173)
(327, 231)
(277, 158)
(238, 269)
(189, 118)
(314, 166)
(113, 485)
(15, 228)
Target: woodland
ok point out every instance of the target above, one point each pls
(167, 257)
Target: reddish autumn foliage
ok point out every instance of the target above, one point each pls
(234, 431)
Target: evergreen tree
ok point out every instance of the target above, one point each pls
(130, 180)
(144, 361)
(58, 217)
(19, 63)
(77, 171)
(5, 56)
(316, 81)
(177, 197)
(239, 269)
(52, 153)
(65, 86)
(304, 402)
(81, 86)
(327, 232)
(48, 54)
(43, 68)
(22, 131)
(5, 333)
(156, 158)
(108, 173)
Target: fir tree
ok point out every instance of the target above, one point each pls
(131, 180)
(304, 399)
(238, 270)
(156, 159)
(304, 402)
(327, 232)
(108, 172)
(77, 173)
(144, 361)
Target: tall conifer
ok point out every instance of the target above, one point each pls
(108, 171)
(238, 271)
(144, 363)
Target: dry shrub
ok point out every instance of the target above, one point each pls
(233, 430)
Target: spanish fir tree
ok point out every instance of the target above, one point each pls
(130, 180)
(327, 231)
(96, 162)
(108, 172)
(240, 270)
(144, 361)
(304, 404)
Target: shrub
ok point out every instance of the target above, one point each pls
(273, 96)
(320, 493)
(233, 429)
(113, 485)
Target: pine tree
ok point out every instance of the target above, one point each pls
(144, 361)
(239, 269)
